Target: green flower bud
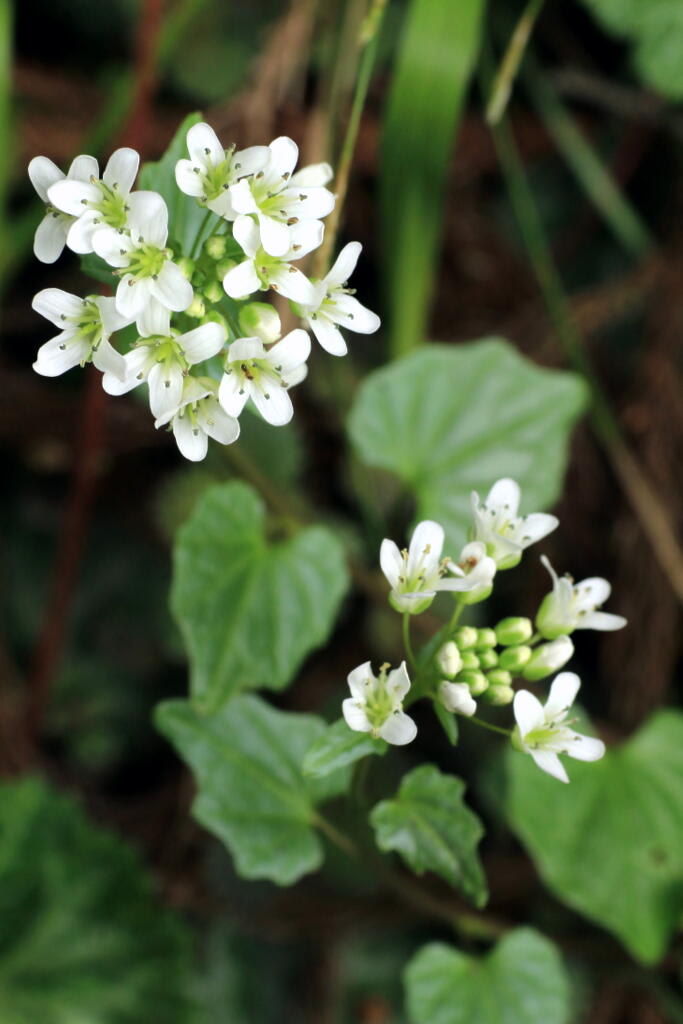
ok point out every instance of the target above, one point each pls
(449, 660)
(514, 630)
(548, 658)
(215, 246)
(499, 695)
(199, 279)
(214, 317)
(486, 638)
(261, 320)
(515, 658)
(196, 309)
(476, 681)
(213, 291)
(487, 658)
(499, 677)
(465, 637)
(224, 266)
(469, 660)
(186, 266)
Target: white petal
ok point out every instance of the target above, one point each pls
(358, 678)
(83, 168)
(603, 621)
(204, 146)
(284, 154)
(349, 313)
(187, 179)
(81, 232)
(354, 716)
(398, 729)
(505, 494)
(73, 196)
(307, 203)
(591, 593)
(425, 547)
(391, 562)
(289, 353)
(304, 237)
(112, 246)
(203, 342)
(242, 280)
(154, 320)
(329, 337)
(222, 205)
(312, 176)
(60, 354)
(545, 562)
(111, 318)
(132, 296)
(50, 238)
(57, 305)
(398, 682)
(550, 763)
(457, 697)
(528, 712)
(291, 283)
(535, 527)
(121, 169)
(250, 160)
(165, 388)
(229, 394)
(245, 349)
(43, 172)
(135, 373)
(344, 265)
(295, 376)
(191, 440)
(276, 408)
(242, 198)
(246, 233)
(215, 421)
(585, 748)
(274, 235)
(108, 360)
(148, 218)
(171, 287)
(562, 694)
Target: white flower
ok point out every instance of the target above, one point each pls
(376, 704)
(150, 272)
(211, 169)
(544, 732)
(477, 569)
(163, 359)
(51, 233)
(252, 371)
(335, 305)
(415, 575)
(548, 658)
(457, 697)
(571, 606)
(85, 327)
(280, 200)
(199, 417)
(96, 202)
(497, 524)
(262, 271)
(449, 659)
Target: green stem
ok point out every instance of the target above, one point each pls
(407, 643)
(509, 66)
(335, 836)
(200, 233)
(490, 725)
(455, 617)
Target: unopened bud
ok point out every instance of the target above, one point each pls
(186, 266)
(486, 638)
(213, 291)
(465, 637)
(224, 266)
(457, 697)
(515, 658)
(514, 630)
(487, 658)
(548, 658)
(449, 660)
(499, 677)
(500, 695)
(261, 320)
(215, 246)
(214, 317)
(469, 660)
(476, 681)
(196, 309)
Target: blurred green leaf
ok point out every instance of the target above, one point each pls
(610, 844)
(338, 747)
(250, 609)
(185, 215)
(247, 760)
(95, 268)
(82, 938)
(448, 722)
(452, 419)
(522, 981)
(654, 28)
(438, 49)
(428, 823)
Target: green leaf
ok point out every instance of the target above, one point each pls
(83, 939)
(448, 722)
(438, 49)
(338, 747)
(250, 609)
(452, 419)
(247, 761)
(654, 28)
(185, 215)
(610, 844)
(522, 981)
(430, 826)
(95, 268)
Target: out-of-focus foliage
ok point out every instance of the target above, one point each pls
(611, 843)
(247, 760)
(83, 939)
(184, 213)
(451, 420)
(251, 609)
(338, 747)
(521, 980)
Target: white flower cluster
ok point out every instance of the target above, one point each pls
(262, 217)
(484, 662)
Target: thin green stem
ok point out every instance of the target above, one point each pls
(455, 617)
(336, 836)
(512, 58)
(407, 642)
(489, 725)
(200, 233)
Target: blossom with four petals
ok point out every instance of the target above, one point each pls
(376, 703)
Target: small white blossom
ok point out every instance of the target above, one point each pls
(457, 697)
(163, 359)
(261, 271)
(544, 732)
(548, 658)
(571, 606)
(211, 169)
(449, 659)
(477, 568)
(85, 328)
(335, 305)
(504, 533)
(264, 375)
(51, 233)
(376, 704)
(96, 202)
(198, 417)
(415, 575)
(280, 199)
(150, 272)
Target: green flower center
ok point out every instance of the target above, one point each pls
(147, 261)
(112, 206)
(378, 703)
